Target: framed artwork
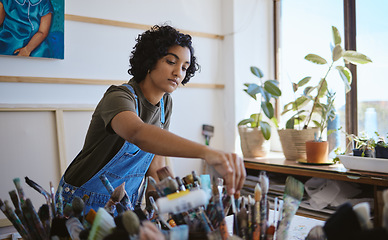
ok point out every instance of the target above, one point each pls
(32, 28)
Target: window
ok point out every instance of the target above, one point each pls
(372, 83)
(305, 27)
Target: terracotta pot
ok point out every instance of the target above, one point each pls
(253, 144)
(317, 152)
(294, 142)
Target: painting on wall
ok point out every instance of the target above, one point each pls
(32, 28)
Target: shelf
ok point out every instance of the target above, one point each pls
(335, 171)
(373, 181)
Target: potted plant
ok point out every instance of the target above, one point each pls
(381, 147)
(293, 137)
(256, 130)
(306, 108)
(317, 150)
(361, 146)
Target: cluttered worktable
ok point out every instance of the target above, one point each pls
(376, 181)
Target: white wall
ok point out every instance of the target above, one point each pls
(94, 51)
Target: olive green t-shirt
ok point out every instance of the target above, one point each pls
(101, 142)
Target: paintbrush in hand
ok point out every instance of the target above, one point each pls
(293, 194)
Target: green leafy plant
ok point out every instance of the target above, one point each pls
(327, 112)
(381, 142)
(263, 91)
(313, 95)
(361, 142)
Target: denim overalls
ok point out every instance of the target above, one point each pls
(129, 165)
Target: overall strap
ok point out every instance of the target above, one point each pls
(162, 118)
(162, 111)
(134, 94)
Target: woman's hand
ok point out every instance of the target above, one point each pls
(22, 52)
(230, 166)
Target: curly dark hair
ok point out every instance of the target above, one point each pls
(153, 45)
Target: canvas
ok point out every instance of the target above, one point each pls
(32, 28)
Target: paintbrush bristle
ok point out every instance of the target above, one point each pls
(242, 218)
(131, 222)
(257, 193)
(90, 216)
(118, 193)
(294, 188)
(264, 182)
(102, 226)
(208, 130)
(15, 199)
(164, 172)
(77, 205)
(44, 212)
(68, 210)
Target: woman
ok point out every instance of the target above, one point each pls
(130, 123)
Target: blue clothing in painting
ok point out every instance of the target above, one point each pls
(21, 22)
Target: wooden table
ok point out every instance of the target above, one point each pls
(378, 181)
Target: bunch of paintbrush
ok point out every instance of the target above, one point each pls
(215, 211)
(15, 220)
(252, 213)
(185, 200)
(52, 213)
(116, 196)
(24, 218)
(75, 222)
(124, 200)
(178, 197)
